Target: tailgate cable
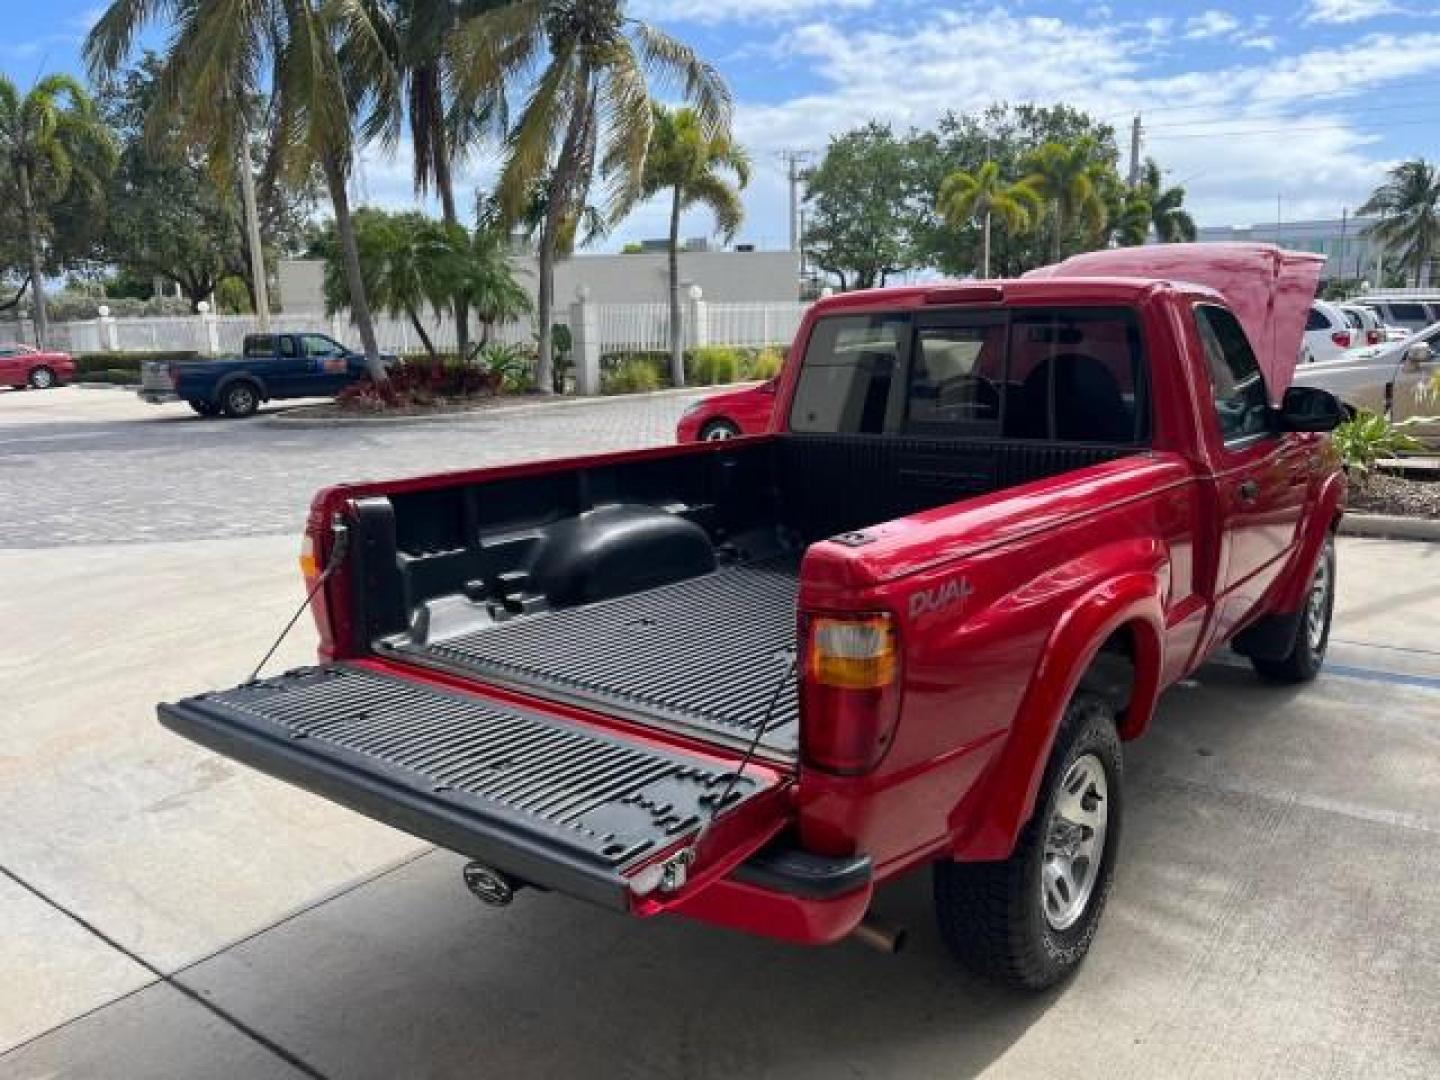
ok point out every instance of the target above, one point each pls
(735, 776)
(341, 532)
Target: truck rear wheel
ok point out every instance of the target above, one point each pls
(1302, 662)
(1028, 921)
(240, 399)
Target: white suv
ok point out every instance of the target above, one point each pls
(1327, 333)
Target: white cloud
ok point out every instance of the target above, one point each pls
(714, 11)
(1349, 11)
(1263, 42)
(1210, 24)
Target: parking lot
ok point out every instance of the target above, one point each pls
(166, 913)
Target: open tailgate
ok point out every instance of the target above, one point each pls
(551, 800)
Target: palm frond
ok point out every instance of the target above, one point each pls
(674, 64)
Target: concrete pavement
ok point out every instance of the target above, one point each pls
(164, 913)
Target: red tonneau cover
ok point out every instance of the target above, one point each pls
(1268, 288)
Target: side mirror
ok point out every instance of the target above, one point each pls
(1418, 355)
(1308, 408)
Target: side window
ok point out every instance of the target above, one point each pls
(319, 345)
(259, 346)
(1236, 382)
(850, 371)
(1316, 320)
(287, 346)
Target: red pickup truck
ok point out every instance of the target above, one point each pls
(748, 681)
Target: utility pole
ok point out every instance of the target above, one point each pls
(1135, 130)
(252, 231)
(793, 159)
(1344, 221)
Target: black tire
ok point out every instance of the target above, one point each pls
(993, 916)
(240, 399)
(1312, 636)
(41, 378)
(204, 408)
(719, 429)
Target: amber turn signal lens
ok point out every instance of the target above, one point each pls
(853, 654)
(309, 565)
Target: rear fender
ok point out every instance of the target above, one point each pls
(246, 376)
(1071, 658)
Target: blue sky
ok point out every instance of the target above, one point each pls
(1307, 100)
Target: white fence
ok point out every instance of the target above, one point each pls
(638, 327)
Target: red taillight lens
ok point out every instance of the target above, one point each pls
(849, 692)
(1374, 337)
(174, 374)
(1341, 338)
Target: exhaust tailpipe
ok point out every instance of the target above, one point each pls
(880, 935)
(490, 886)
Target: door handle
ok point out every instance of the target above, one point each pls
(1247, 492)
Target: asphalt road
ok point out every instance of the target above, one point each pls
(164, 913)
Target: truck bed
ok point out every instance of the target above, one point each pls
(704, 656)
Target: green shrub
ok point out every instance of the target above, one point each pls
(711, 365)
(94, 364)
(514, 365)
(634, 375)
(1369, 438)
(766, 364)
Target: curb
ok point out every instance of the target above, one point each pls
(283, 418)
(1390, 527)
(132, 387)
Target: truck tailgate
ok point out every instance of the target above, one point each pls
(558, 803)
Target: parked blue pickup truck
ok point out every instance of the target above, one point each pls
(269, 367)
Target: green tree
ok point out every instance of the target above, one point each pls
(1408, 205)
(1007, 135)
(966, 198)
(1169, 219)
(695, 169)
(325, 63)
(589, 102)
(862, 206)
(1071, 178)
(51, 140)
(486, 279)
(407, 262)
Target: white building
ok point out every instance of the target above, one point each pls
(723, 277)
(1349, 253)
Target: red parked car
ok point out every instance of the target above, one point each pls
(725, 416)
(22, 366)
(912, 629)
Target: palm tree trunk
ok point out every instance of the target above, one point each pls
(561, 181)
(985, 247)
(359, 302)
(424, 340)
(1055, 235)
(445, 185)
(677, 345)
(32, 242)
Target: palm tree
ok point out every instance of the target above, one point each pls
(1408, 204)
(1130, 215)
(325, 63)
(486, 279)
(1070, 177)
(442, 134)
(969, 197)
(589, 102)
(51, 140)
(692, 166)
(1168, 217)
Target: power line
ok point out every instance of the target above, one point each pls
(1334, 125)
(1344, 113)
(1425, 81)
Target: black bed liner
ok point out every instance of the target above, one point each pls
(703, 656)
(543, 798)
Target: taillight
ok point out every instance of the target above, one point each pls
(850, 691)
(1341, 338)
(309, 561)
(174, 374)
(1374, 337)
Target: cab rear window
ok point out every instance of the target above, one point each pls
(1057, 375)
